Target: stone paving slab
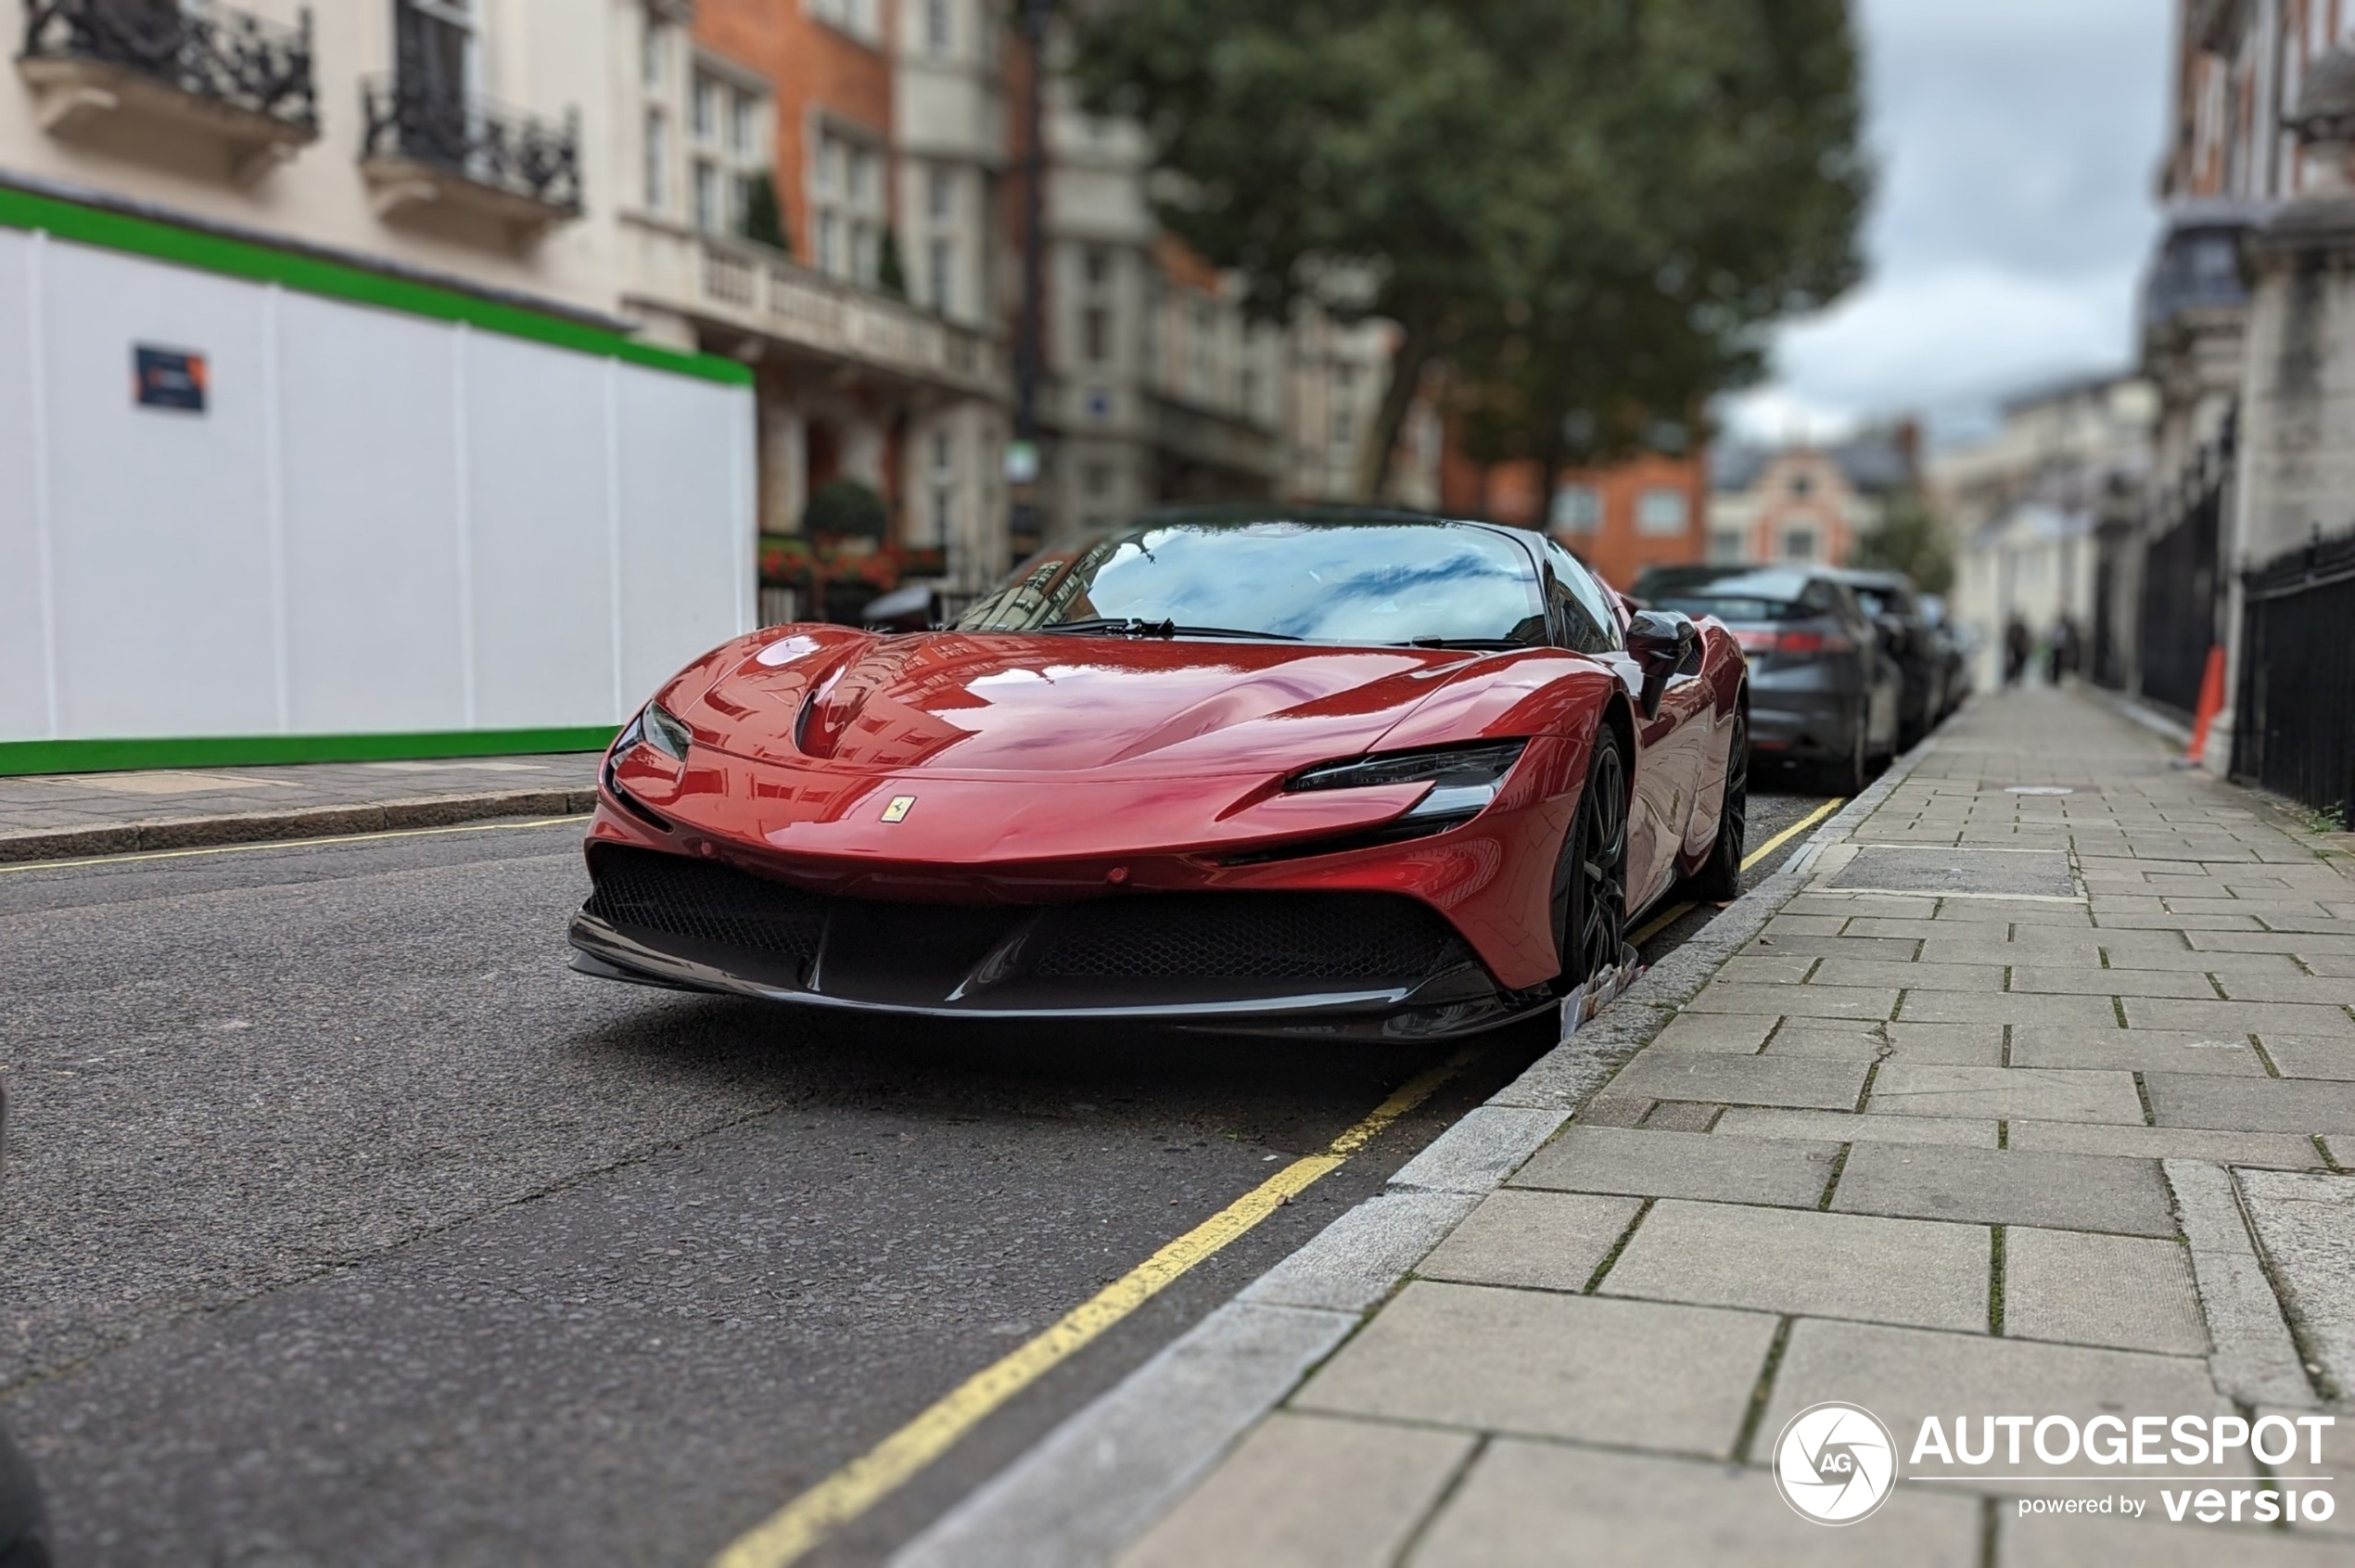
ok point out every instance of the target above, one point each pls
(1731, 1079)
(2284, 1150)
(1801, 1261)
(2041, 1095)
(1682, 1165)
(2306, 1222)
(1639, 1374)
(1903, 1375)
(2006, 1187)
(1309, 1490)
(1535, 1240)
(2252, 1104)
(2304, 1056)
(1805, 1002)
(1951, 1044)
(1537, 1505)
(2123, 1293)
(1747, 1121)
(2133, 1051)
(2241, 1017)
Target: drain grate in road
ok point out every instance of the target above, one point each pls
(2038, 873)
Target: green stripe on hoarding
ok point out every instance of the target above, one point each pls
(236, 751)
(333, 280)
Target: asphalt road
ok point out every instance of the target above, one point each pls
(344, 1225)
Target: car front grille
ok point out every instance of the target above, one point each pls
(1135, 950)
(704, 901)
(1348, 937)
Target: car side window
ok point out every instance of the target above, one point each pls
(1588, 624)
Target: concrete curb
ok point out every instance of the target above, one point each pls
(1100, 1480)
(309, 822)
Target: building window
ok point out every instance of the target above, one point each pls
(940, 193)
(711, 213)
(854, 16)
(944, 513)
(1801, 484)
(1799, 544)
(744, 137)
(1095, 332)
(936, 39)
(657, 161)
(1097, 265)
(1661, 511)
(704, 108)
(846, 197)
(944, 451)
(1095, 479)
(1343, 430)
(653, 55)
(1578, 509)
(940, 267)
(1725, 545)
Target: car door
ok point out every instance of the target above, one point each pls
(1662, 768)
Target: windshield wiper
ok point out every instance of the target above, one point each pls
(1484, 644)
(1130, 626)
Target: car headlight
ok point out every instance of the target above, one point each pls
(660, 728)
(1464, 779)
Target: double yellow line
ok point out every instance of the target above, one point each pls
(867, 1480)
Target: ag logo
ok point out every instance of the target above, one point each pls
(1835, 1464)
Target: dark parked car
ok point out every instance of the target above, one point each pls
(1888, 598)
(1823, 688)
(1955, 651)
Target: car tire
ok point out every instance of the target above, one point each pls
(1590, 880)
(1848, 775)
(1720, 877)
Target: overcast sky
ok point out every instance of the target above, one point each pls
(2017, 143)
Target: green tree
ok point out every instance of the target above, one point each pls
(1910, 539)
(845, 509)
(764, 220)
(1588, 209)
(891, 276)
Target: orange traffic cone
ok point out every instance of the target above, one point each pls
(2211, 700)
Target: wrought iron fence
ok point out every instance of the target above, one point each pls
(2293, 721)
(2182, 589)
(492, 145)
(216, 53)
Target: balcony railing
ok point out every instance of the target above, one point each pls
(500, 149)
(217, 54)
(761, 291)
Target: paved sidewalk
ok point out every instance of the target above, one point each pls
(56, 815)
(1969, 1131)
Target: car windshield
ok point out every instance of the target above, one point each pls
(1731, 596)
(1355, 580)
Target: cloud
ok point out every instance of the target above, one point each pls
(2017, 141)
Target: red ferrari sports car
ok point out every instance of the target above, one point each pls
(1344, 772)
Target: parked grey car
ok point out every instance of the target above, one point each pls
(1954, 650)
(1889, 599)
(1825, 689)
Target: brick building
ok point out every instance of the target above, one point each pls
(1618, 520)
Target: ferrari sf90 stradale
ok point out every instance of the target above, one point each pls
(1344, 772)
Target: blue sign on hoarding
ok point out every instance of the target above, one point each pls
(168, 379)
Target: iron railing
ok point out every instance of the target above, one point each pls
(2183, 585)
(217, 53)
(504, 148)
(2294, 723)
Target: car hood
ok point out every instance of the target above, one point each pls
(992, 703)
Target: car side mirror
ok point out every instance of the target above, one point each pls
(1660, 641)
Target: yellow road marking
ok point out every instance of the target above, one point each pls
(289, 843)
(1666, 918)
(867, 1480)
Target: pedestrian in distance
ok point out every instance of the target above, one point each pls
(2015, 651)
(2060, 654)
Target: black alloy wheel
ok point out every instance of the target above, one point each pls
(1720, 877)
(1590, 884)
